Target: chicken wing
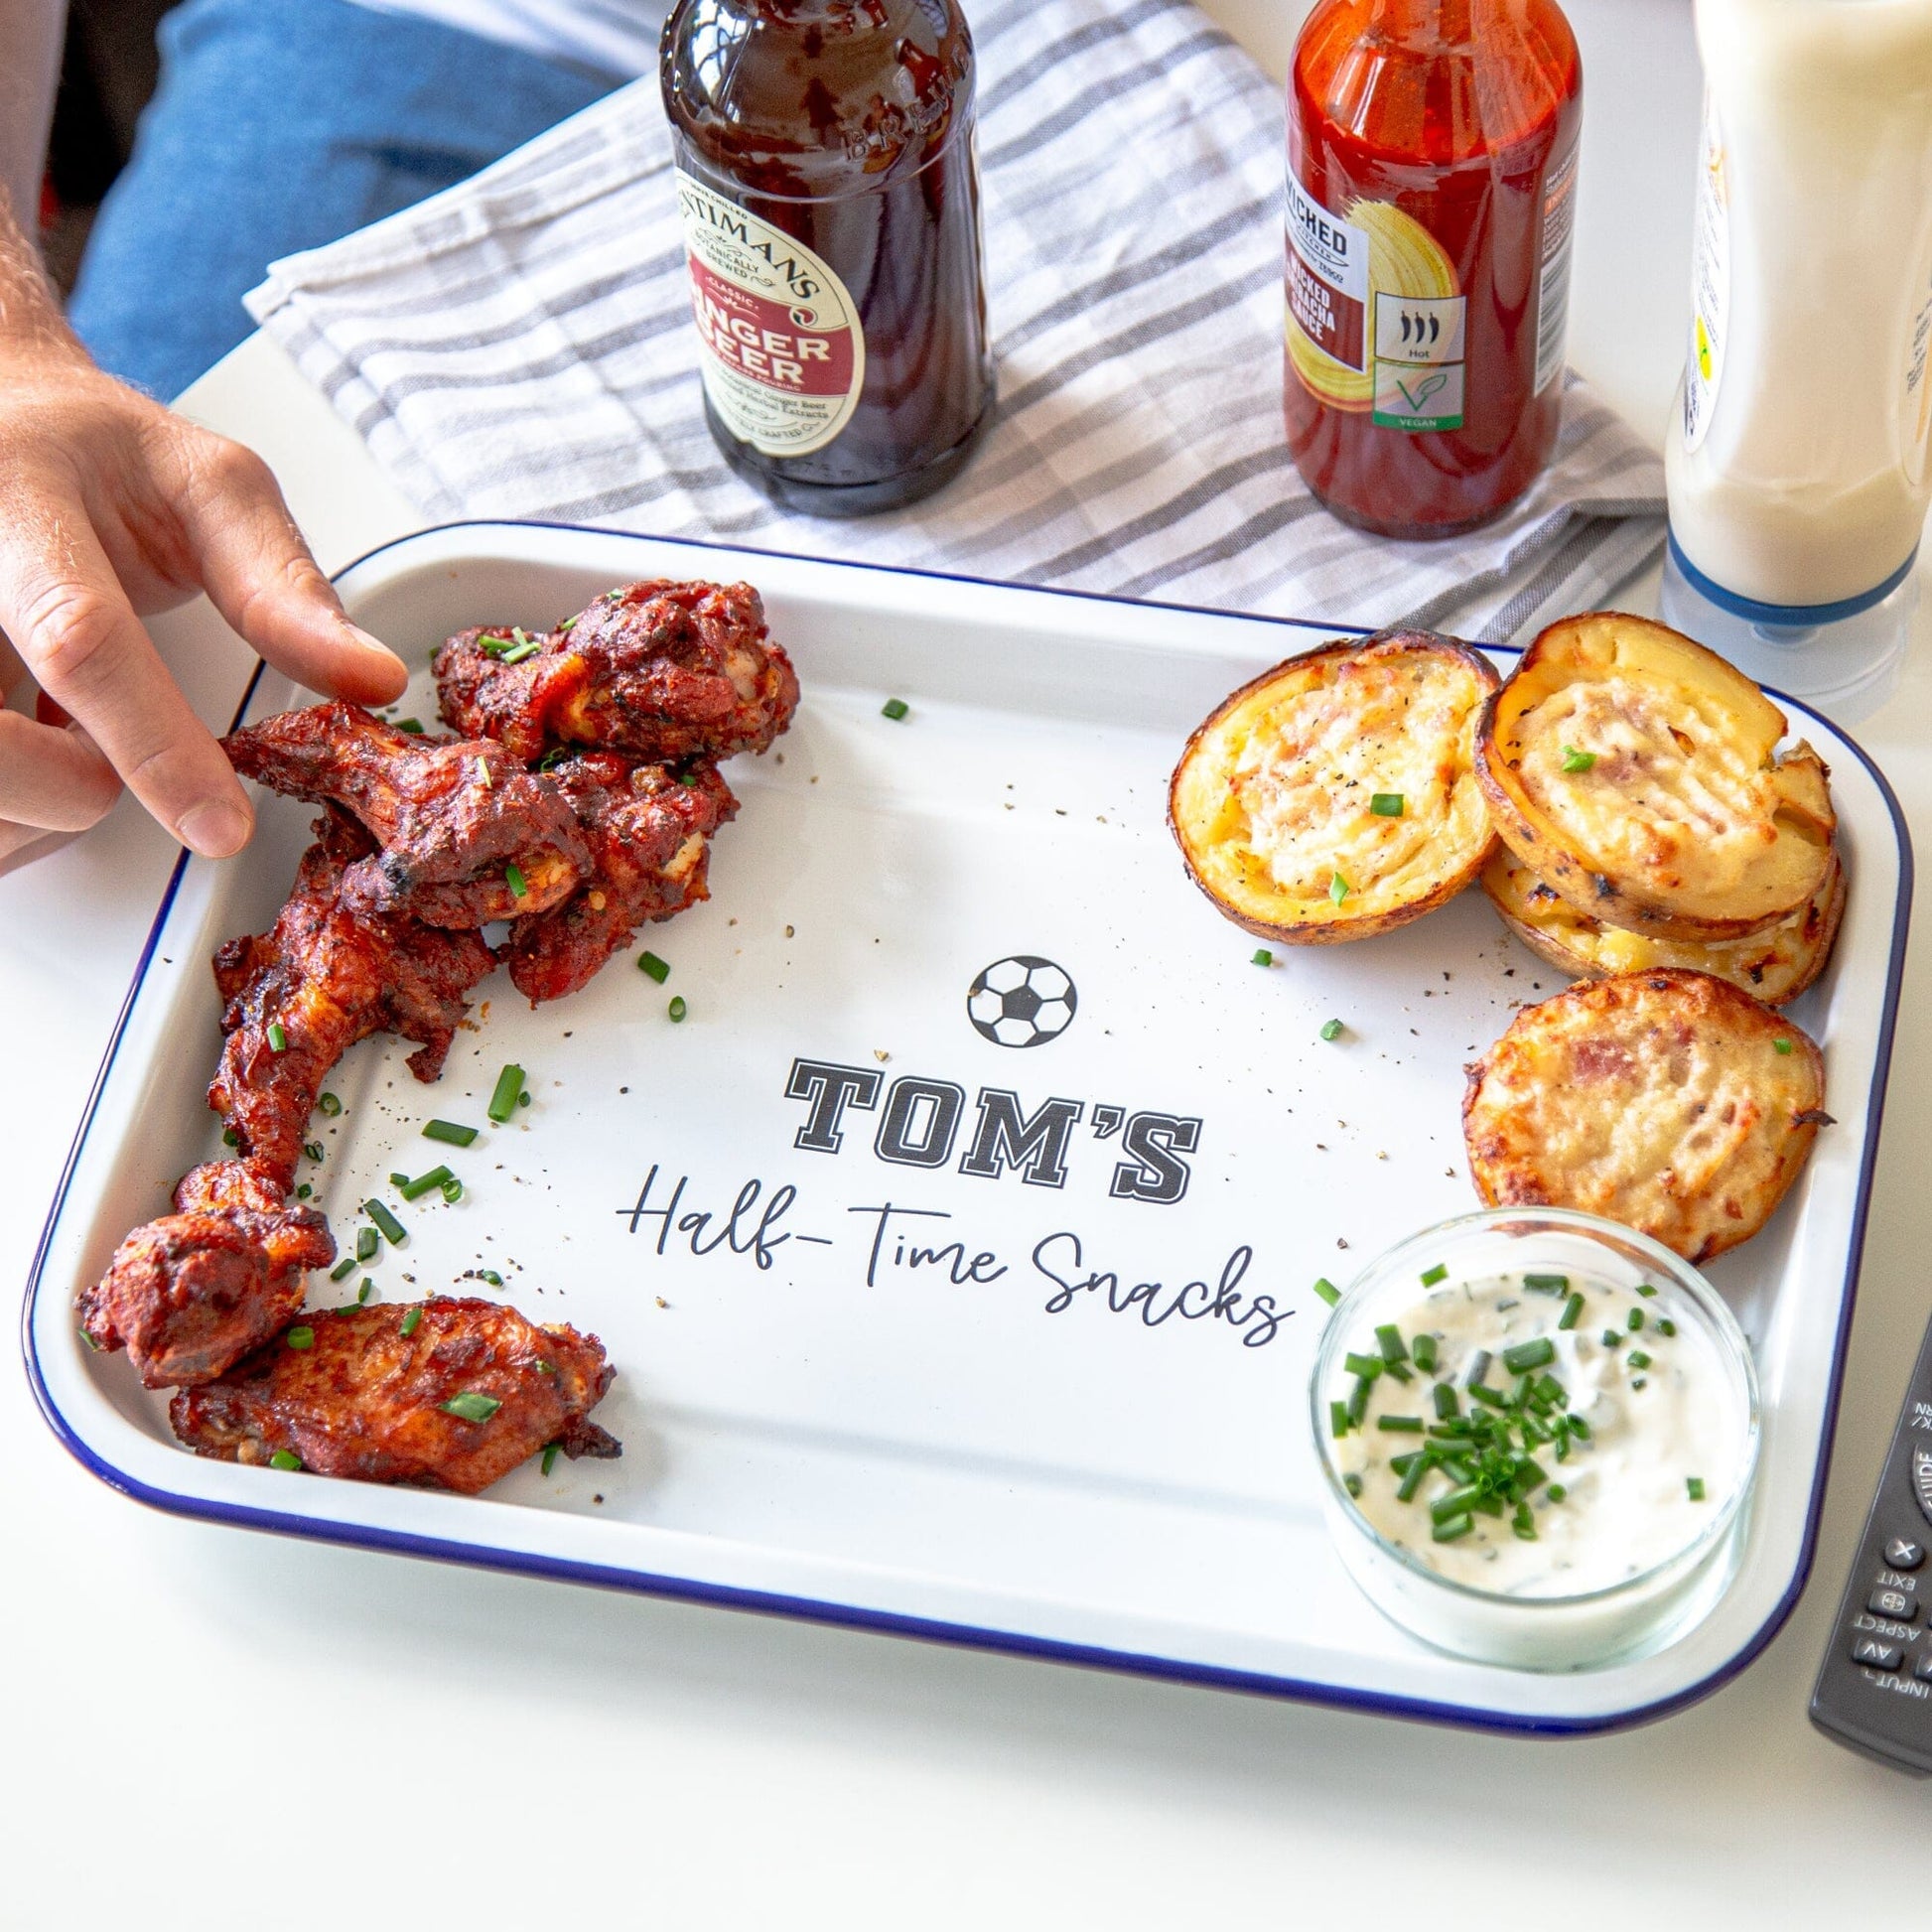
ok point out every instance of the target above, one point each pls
(298, 996)
(647, 829)
(664, 670)
(449, 1393)
(191, 1294)
(464, 834)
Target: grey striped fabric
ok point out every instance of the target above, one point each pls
(522, 346)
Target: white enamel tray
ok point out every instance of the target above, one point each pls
(981, 1451)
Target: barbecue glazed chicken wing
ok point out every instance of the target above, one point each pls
(464, 835)
(371, 1400)
(647, 830)
(326, 976)
(191, 1294)
(663, 670)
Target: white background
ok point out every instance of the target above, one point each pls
(202, 1727)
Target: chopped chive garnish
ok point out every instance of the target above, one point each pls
(1558, 1492)
(1447, 1406)
(1439, 1273)
(278, 1040)
(1572, 1309)
(472, 1405)
(1548, 1283)
(1326, 1289)
(1411, 1476)
(421, 1185)
(304, 1191)
(410, 1319)
(1358, 1396)
(1638, 1359)
(688, 780)
(1666, 1326)
(1332, 1030)
(1455, 1501)
(1612, 1337)
(1636, 1320)
(1575, 761)
(1402, 1371)
(895, 709)
(1368, 1367)
(566, 627)
(1388, 1338)
(654, 968)
(1423, 1350)
(1578, 1427)
(230, 1137)
(285, 1459)
(1529, 1354)
(1352, 1483)
(1338, 887)
(1262, 957)
(514, 879)
(398, 1180)
(490, 1275)
(302, 1337)
(1523, 1523)
(1481, 1392)
(363, 1292)
(1456, 1526)
(550, 1454)
(1645, 1290)
(553, 757)
(343, 1269)
(515, 656)
(1641, 1382)
(409, 725)
(88, 1339)
(1479, 1368)
(453, 1132)
(1386, 804)
(366, 1243)
(1400, 1424)
(393, 1230)
(1693, 1489)
(327, 1103)
(1551, 1391)
(677, 1009)
(1339, 1418)
(452, 1190)
(502, 1103)
(491, 643)
(1783, 1045)
(312, 1148)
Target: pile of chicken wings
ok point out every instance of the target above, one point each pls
(576, 798)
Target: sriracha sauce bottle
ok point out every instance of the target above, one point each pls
(830, 201)
(1432, 176)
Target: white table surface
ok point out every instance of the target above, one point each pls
(204, 1726)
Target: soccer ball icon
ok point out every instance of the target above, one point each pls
(1022, 1001)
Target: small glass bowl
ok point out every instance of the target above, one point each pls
(1631, 1618)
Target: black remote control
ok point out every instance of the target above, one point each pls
(1875, 1691)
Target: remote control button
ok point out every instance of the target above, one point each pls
(1875, 1653)
(1922, 1481)
(1922, 1669)
(1898, 1604)
(1901, 1553)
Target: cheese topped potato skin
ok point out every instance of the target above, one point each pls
(1774, 965)
(1271, 803)
(1637, 773)
(1662, 1099)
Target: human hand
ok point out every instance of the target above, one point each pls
(112, 505)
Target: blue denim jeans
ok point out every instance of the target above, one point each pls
(279, 125)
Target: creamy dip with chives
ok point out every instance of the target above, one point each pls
(1538, 1434)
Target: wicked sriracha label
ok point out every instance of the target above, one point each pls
(780, 344)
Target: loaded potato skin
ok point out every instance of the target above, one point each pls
(1774, 965)
(1638, 774)
(1667, 1100)
(1334, 797)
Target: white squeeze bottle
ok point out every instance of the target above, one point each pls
(1796, 463)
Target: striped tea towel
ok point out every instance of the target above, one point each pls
(521, 345)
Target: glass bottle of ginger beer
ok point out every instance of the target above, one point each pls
(1432, 176)
(830, 200)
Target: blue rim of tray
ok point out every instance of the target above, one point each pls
(967, 1635)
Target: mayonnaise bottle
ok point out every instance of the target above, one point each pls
(1797, 461)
